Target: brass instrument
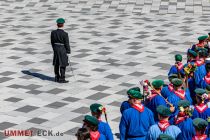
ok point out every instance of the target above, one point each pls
(147, 83)
(190, 68)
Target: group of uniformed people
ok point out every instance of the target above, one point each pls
(178, 110)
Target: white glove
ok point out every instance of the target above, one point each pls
(68, 55)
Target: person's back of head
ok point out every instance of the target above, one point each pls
(83, 134)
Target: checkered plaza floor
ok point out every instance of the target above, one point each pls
(115, 44)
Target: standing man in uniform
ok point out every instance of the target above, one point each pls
(103, 127)
(135, 121)
(163, 126)
(177, 68)
(155, 99)
(127, 104)
(183, 120)
(200, 127)
(61, 47)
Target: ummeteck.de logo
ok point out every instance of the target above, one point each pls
(28, 133)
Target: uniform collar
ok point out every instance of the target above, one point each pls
(138, 107)
(201, 107)
(200, 137)
(94, 135)
(180, 93)
(60, 28)
(163, 125)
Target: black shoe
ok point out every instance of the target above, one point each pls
(63, 81)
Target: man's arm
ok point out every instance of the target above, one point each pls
(51, 38)
(122, 127)
(66, 43)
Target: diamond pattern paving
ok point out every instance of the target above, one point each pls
(115, 44)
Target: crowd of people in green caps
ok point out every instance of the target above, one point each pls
(179, 110)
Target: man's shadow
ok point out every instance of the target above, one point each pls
(38, 75)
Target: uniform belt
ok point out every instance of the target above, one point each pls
(58, 43)
(134, 137)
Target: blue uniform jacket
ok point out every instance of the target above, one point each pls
(134, 125)
(204, 115)
(174, 70)
(125, 105)
(105, 129)
(165, 92)
(154, 103)
(186, 126)
(172, 131)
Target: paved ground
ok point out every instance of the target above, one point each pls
(115, 44)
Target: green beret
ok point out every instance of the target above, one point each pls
(165, 137)
(60, 21)
(200, 124)
(193, 53)
(172, 76)
(135, 94)
(203, 52)
(163, 110)
(184, 103)
(157, 83)
(136, 88)
(208, 88)
(177, 82)
(200, 91)
(96, 108)
(91, 120)
(200, 38)
(178, 57)
(201, 49)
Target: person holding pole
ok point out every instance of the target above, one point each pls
(103, 127)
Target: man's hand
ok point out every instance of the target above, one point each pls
(172, 108)
(68, 56)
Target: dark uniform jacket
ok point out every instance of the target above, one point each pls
(61, 47)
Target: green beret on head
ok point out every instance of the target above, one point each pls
(184, 103)
(91, 120)
(135, 94)
(177, 82)
(208, 88)
(178, 57)
(193, 53)
(60, 21)
(203, 37)
(165, 137)
(157, 83)
(200, 124)
(136, 88)
(172, 76)
(201, 49)
(163, 110)
(203, 52)
(96, 108)
(200, 91)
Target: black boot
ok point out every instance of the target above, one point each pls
(63, 80)
(57, 78)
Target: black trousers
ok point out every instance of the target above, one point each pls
(59, 72)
